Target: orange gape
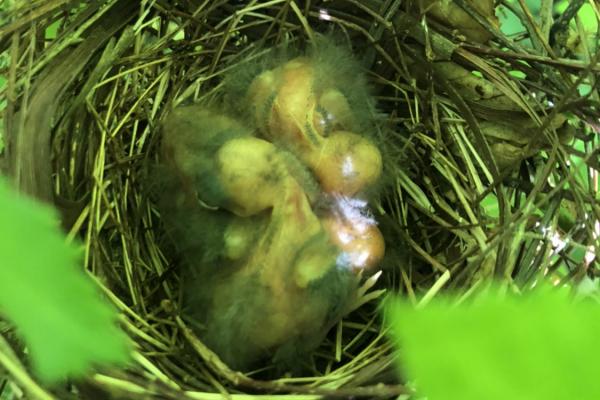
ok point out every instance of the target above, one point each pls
(286, 267)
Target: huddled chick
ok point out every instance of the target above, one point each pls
(269, 209)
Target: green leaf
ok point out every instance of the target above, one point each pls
(52, 30)
(579, 167)
(66, 325)
(490, 206)
(4, 62)
(538, 346)
(588, 18)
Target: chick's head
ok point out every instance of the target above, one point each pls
(291, 109)
(359, 241)
(346, 163)
(192, 135)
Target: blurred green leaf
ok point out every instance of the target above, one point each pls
(578, 165)
(518, 74)
(560, 6)
(52, 30)
(538, 346)
(588, 18)
(490, 206)
(510, 24)
(584, 89)
(4, 62)
(67, 326)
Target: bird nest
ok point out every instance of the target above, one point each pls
(477, 137)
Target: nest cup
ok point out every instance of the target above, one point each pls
(101, 121)
(105, 157)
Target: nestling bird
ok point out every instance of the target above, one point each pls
(269, 211)
(307, 113)
(273, 287)
(313, 107)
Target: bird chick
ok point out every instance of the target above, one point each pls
(352, 228)
(280, 298)
(273, 285)
(269, 216)
(301, 105)
(307, 113)
(219, 163)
